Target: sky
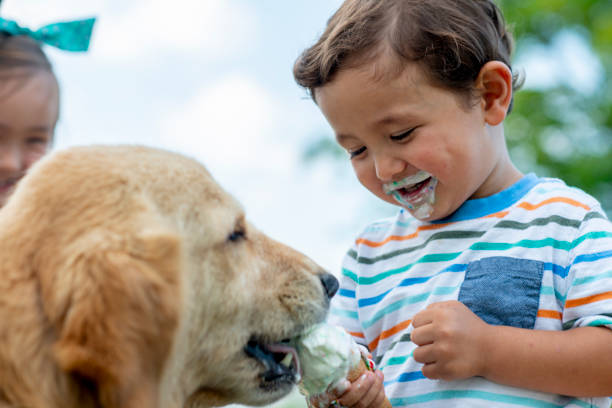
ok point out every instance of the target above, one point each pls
(213, 80)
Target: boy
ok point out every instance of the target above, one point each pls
(490, 287)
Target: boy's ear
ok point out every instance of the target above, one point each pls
(115, 307)
(494, 83)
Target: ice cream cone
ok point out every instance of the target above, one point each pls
(357, 371)
(327, 355)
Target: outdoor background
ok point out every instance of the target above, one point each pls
(212, 79)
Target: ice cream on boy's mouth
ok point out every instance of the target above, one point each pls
(416, 193)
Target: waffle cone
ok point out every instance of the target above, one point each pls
(357, 371)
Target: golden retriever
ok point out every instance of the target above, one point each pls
(129, 278)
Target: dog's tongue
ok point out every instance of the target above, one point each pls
(326, 353)
(291, 356)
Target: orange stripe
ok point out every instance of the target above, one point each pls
(500, 214)
(550, 314)
(357, 334)
(524, 205)
(399, 237)
(529, 206)
(415, 234)
(588, 299)
(388, 333)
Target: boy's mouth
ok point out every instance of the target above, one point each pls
(416, 193)
(409, 185)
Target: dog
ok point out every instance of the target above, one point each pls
(129, 278)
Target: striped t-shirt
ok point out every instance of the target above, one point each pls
(536, 255)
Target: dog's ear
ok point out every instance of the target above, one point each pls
(115, 308)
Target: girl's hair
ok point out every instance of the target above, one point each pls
(450, 39)
(20, 55)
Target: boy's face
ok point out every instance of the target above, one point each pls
(28, 114)
(395, 128)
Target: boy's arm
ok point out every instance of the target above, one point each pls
(455, 344)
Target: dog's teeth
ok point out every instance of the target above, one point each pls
(286, 361)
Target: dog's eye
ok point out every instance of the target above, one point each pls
(237, 235)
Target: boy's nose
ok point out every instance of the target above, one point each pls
(388, 167)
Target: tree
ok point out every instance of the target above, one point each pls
(561, 130)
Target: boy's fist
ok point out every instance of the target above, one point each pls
(450, 340)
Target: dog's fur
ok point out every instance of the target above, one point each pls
(129, 278)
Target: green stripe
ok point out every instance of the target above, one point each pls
(351, 314)
(395, 306)
(589, 279)
(396, 361)
(556, 219)
(476, 234)
(541, 243)
(599, 322)
(592, 215)
(350, 274)
(570, 324)
(434, 237)
(524, 243)
(441, 290)
(549, 290)
(591, 235)
(363, 280)
(404, 339)
(482, 395)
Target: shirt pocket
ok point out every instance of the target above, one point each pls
(503, 291)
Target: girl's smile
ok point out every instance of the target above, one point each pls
(28, 114)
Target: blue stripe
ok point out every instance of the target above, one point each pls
(407, 377)
(411, 281)
(593, 257)
(347, 293)
(559, 270)
(440, 290)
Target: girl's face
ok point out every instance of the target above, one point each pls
(413, 144)
(29, 109)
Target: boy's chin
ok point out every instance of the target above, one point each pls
(435, 214)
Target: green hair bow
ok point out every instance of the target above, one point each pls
(69, 36)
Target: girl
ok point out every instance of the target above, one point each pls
(29, 94)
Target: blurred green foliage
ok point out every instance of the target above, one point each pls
(556, 129)
(561, 130)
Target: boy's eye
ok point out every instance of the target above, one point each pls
(357, 152)
(402, 135)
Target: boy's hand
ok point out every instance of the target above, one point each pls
(366, 392)
(451, 341)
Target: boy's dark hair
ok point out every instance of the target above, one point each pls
(19, 51)
(450, 39)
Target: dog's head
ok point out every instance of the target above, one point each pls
(150, 288)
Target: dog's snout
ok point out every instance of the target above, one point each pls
(330, 284)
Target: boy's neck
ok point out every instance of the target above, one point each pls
(505, 173)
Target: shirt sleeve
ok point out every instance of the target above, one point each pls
(588, 299)
(344, 309)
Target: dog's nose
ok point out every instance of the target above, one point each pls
(330, 284)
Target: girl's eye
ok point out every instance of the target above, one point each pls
(37, 140)
(357, 152)
(403, 135)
